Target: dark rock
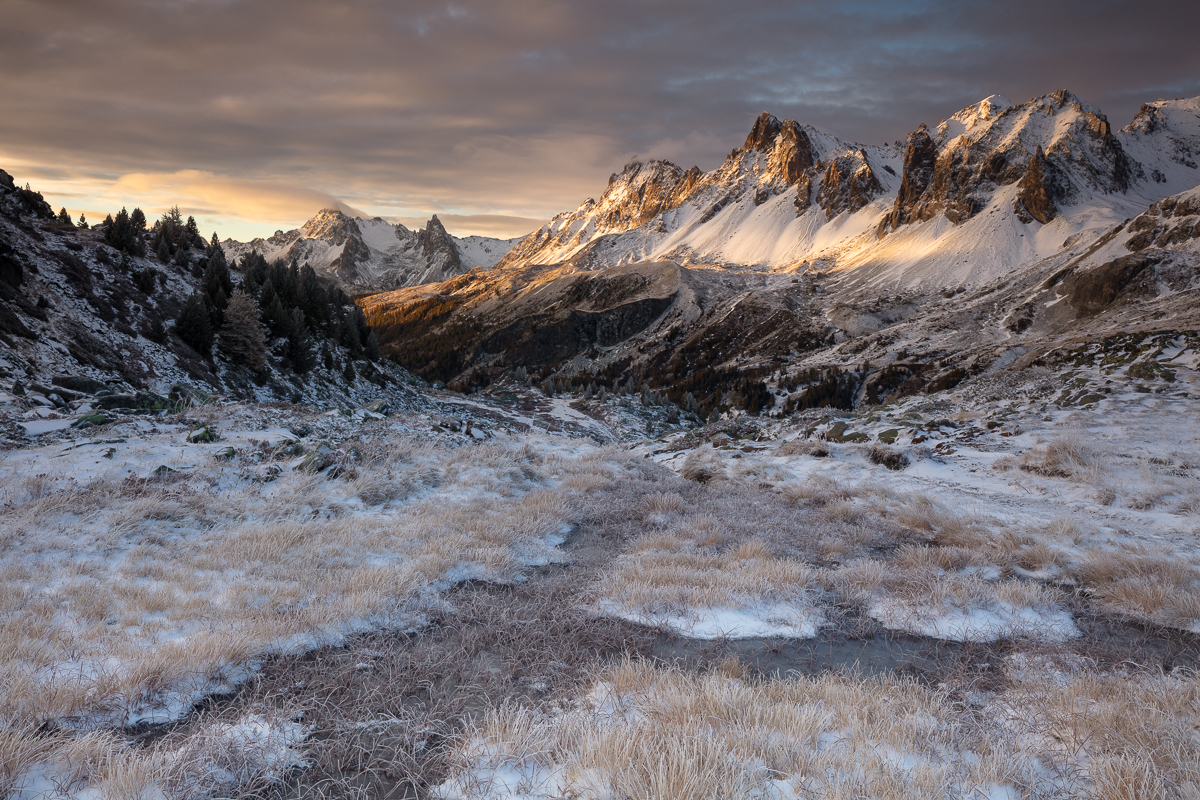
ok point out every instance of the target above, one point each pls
(1037, 190)
(792, 156)
(77, 383)
(322, 456)
(803, 194)
(201, 434)
(18, 389)
(1092, 291)
(920, 158)
(91, 419)
(439, 250)
(762, 135)
(6, 180)
(182, 393)
(848, 185)
(142, 402)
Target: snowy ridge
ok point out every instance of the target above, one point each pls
(993, 188)
(374, 253)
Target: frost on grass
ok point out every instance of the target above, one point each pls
(643, 732)
(218, 760)
(678, 576)
(647, 732)
(126, 601)
(916, 594)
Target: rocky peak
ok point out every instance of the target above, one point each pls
(641, 191)
(6, 180)
(762, 135)
(330, 225)
(920, 158)
(438, 248)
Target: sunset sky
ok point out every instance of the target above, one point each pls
(253, 114)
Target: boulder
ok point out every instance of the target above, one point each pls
(78, 383)
(317, 459)
(141, 402)
(201, 434)
(380, 406)
(90, 419)
(18, 389)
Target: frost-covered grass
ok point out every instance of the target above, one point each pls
(649, 732)
(130, 592)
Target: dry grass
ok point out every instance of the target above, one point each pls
(1070, 455)
(647, 732)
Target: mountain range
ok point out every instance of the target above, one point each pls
(803, 271)
(993, 236)
(365, 254)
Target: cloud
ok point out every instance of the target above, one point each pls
(196, 191)
(521, 108)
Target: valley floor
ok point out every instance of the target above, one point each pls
(994, 593)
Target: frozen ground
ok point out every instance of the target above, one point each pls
(1012, 518)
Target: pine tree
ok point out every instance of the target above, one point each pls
(243, 339)
(371, 347)
(194, 326)
(83, 223)
(217, 306)
(299, 348)
(64, 217)
(348, 373)
(164, 250)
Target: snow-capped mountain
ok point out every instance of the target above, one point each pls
(1002, 232)
(993, 186)
(375, 254)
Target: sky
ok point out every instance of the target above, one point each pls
(252, 115)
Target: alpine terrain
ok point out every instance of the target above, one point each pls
(839, 471)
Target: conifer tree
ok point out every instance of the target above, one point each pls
(242, 337)
(299, 347)
(83, 223)
(194, 326)
(64, 217)
(371, 347)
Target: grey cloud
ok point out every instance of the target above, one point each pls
(522, 108)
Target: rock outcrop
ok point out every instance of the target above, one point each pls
(848, 185)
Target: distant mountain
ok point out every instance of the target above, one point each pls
(805, 263)
(375, 254)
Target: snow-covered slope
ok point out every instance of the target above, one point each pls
(373, 253)
(994, 188)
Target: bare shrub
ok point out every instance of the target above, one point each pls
(890, 457)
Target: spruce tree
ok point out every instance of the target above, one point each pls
(243, 339)
(64, 217)
(164, 250)
(299, 347)
(194, 326)
(371, 347)
(83, 223)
